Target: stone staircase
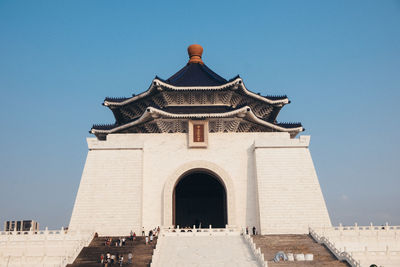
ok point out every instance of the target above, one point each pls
(271, 244)
(90, 255)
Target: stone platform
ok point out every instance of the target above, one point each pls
(205, 251)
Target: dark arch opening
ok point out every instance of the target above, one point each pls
(200, 199)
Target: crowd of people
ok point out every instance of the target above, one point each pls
(152, 234)
(118, 243)
(110, 259)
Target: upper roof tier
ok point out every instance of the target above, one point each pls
(195, 74)
(193, 85)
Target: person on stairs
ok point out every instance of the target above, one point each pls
(121, 260)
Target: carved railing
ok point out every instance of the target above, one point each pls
(376, 229)
(155, 260)
(228, 230)
(256, 251)
(342, 256)
(68, 244)
(73, 253)
(45, 232)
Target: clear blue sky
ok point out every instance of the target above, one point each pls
(338, 61)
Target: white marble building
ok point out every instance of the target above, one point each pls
(197, 149)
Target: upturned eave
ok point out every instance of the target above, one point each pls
(159, 85)
(152, 113)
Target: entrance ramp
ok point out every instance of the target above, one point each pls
(203, 249)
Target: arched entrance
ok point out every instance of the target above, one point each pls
(200, 199)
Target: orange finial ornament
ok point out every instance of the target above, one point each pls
(195, 51)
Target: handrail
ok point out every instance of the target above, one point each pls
(171, 231)
(155, 259)
(256, 251)
(367, 228)
(340, 255)
(69, 243)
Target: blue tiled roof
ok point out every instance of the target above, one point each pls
(196, 74)
(289, 125)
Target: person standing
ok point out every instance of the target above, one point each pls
(254, 230)
(108, 256)
(143, 232)
(130, 257)
(121, 260)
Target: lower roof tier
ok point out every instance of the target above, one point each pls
(155, 120)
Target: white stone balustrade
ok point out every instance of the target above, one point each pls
(42, 247)
(256, 251)
(366, 245)
(228, 230)
(155, 260)
(342, 256)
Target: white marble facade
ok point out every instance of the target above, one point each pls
(128, 181)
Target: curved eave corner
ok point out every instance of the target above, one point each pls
(160, 85)
(244, 112)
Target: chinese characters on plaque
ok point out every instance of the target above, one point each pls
(198, 133)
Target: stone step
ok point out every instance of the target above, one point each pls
(90, 255)
(271, 244)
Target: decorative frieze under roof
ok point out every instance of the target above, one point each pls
(196, 93)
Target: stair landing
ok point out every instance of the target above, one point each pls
(206, 251)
